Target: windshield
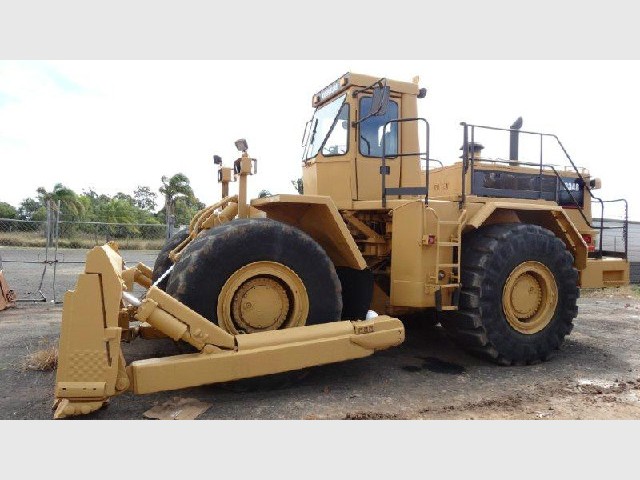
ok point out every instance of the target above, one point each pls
(329, 130)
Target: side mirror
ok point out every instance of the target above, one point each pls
(380, 100)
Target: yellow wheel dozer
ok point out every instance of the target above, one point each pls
(494, 249)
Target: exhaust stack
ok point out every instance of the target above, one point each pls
(513, 141)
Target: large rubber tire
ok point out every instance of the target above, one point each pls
(489, 256)
(163, 262)
(207, 262)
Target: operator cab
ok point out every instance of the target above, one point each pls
(354, 128)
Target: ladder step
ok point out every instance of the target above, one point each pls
(449, 222)
(450, 285)
(448, 265)
(449, 244)
(448, 308)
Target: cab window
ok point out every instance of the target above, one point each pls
(371, 130)
(328, 130)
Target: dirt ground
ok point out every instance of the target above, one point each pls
(596, 375)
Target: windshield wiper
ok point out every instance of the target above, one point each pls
(313, 132)
(305, 134)
(310, 137)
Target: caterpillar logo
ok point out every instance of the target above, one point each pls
(572, 186)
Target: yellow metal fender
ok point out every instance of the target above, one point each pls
(319, 218)
(551, 217)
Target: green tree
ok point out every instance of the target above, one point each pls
(7, 211)
(119, 210)
(116, 210)
(185, 208)
(31, 209)
(125, 198)
(93, 202)
(264, 193)
(145, 198)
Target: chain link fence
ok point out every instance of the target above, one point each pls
(42, 259)
(22, 233)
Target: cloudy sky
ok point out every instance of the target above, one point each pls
(113, 125)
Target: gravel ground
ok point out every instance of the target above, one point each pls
(596, 375)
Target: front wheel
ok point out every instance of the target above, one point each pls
(254, 275)
(519, 293)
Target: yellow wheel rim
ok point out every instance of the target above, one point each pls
(530, 297)
(262, 296)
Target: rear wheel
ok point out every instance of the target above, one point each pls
(253, 275)
(519, 293)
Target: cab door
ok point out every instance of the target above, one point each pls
(369, 139)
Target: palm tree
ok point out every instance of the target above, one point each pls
(172, 188)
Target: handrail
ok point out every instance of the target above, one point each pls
(624, 227)
(384, 169)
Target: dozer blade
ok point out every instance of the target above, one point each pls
(90, 361)
(91, 367)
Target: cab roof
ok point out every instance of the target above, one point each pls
(351, 79)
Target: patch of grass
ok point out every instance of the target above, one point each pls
(27, 239)
(21, 239)
(43, 360)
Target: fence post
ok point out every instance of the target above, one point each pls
(47, 232)
(56, 234)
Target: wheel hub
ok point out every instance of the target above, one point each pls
(260, 304)
(530, 297)
(262, 296)
(526, 295)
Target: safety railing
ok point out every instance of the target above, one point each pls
(609, 225)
